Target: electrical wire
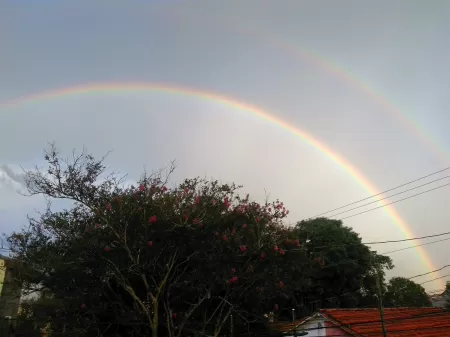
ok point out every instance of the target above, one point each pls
(358, 290)
(389, 241)
(410, 247)
(434, 292)
(390, 196)
(396, 201)
(403, 240)
(437, 278)
(383, 242)
(385, 191)
(430, 272)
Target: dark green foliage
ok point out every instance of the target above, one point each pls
(344, 265)
(401, 292)
(152, 261)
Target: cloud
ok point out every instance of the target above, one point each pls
(12, 178)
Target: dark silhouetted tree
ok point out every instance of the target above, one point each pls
(401, 292)
(153, 261)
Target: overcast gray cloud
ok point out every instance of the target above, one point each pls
(8, 175)
(256, 52)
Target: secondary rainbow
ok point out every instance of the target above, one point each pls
(312, 58)
(352, 81)
(121, 87)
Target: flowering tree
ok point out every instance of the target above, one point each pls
(153, 260)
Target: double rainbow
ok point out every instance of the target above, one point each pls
(122, 87)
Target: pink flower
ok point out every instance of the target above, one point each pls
(275, 248)
(224, 237)
(97, 226)
(243, 248)
(141, 187)
(150, 243)
(275, 307)
(163, 189)
(214, 202)
(195, 221)
(257, 219)
(108, 207)
(152, 219)
(297, 243)
(174, 315)
(233, 279)
(281, 284)
(244, 226)
(233, 270)
(282, 251)
(226, 203)
(107, 249)
(262, 256)
(197, 200)
(233, 231)
(83, 306)
(185, 217)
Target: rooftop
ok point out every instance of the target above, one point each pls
(399, 322)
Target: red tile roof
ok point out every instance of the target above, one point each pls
(399, 322)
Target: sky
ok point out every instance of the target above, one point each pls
(367, 80)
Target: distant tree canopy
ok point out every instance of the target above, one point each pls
(401, 292)
(348, 264)
(447, 293)
(152, 261)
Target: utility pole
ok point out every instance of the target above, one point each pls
(380, 306)
(293, 322)
(231, 325)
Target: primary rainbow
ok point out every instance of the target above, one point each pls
(122, 87)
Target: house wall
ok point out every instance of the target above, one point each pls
(319, 327)
(10, 292)
(439, 301)
(2, 274)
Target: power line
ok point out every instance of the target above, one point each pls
(390, 196)
(410, 247)
(394, 202)
(430, 272)
(410, 239)
(385, 191)
(437, 278)
(358, 290)
(383, 242)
